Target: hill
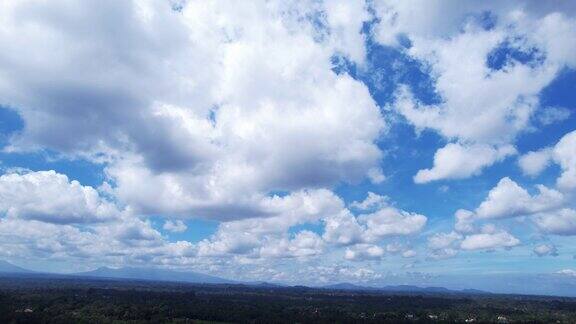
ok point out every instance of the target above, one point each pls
(7, 267)
(153, 274)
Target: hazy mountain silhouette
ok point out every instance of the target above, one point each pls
(401, 288)
(153, 274)
(7, 267)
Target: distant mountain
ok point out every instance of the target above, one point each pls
(263, 284)
(402, 288)
(7, 267)
(410, 288)
(347, 286)
(153, 274)
(474, 291)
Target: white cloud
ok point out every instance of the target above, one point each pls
(444, 19)
(345, 19)
(560, 222)
(565, 156)
(372, 202)
(548, 209)
(124, 241)
(533, 163)
(508, 199)
(479, 106)
(304, 244)
(390, 221)
(251, 236)
(440, 241)
(204, 113)
(464, 221)
(51, 197)
(376, 176)
(567, 272)
(199, 112)
(545, 250)
(345, 229)
(444, 245)
(563, 153)
(551, 115)
(177, 226)
(409, 254)
(362, 252)
(337, 273)
(457, 161)
(489, 240)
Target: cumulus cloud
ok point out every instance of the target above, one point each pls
(443, 240)
(508, 199)
(249, 235)
(563, 154)
(270, 237)
(551, 115)
(376, 175)
(567, 272)
(545, 250)
(372, 202)
(343, 229)
(464, 221)
(387, 221)
(366, 251)
(197, 111)
(390, 221)
(409, 254)
(480, 105)
(560, 222)
(489, 239)
(177, 226)
(361, 252)
(548, 209)
(533, 163)
(304, 244)
(456, 161)
(437, 19)
(51, 197)
(128, 240)
(201, 112)
(444, 245)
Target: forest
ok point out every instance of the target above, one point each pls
(66, 300)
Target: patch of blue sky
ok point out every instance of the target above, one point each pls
(560, 93)
(84, 171)
(507, 54)
(197, 229)
(10, 123)
(315, 227)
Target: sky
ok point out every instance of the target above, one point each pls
(304, 142)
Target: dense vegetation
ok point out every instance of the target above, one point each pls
(57, 300)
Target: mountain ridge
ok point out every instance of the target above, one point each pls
(401, 288)
(153, 274)
(7, 267)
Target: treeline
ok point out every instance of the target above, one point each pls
(117, 302)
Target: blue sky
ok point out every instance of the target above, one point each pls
(372, 142)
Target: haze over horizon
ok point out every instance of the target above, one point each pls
(301, 142)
